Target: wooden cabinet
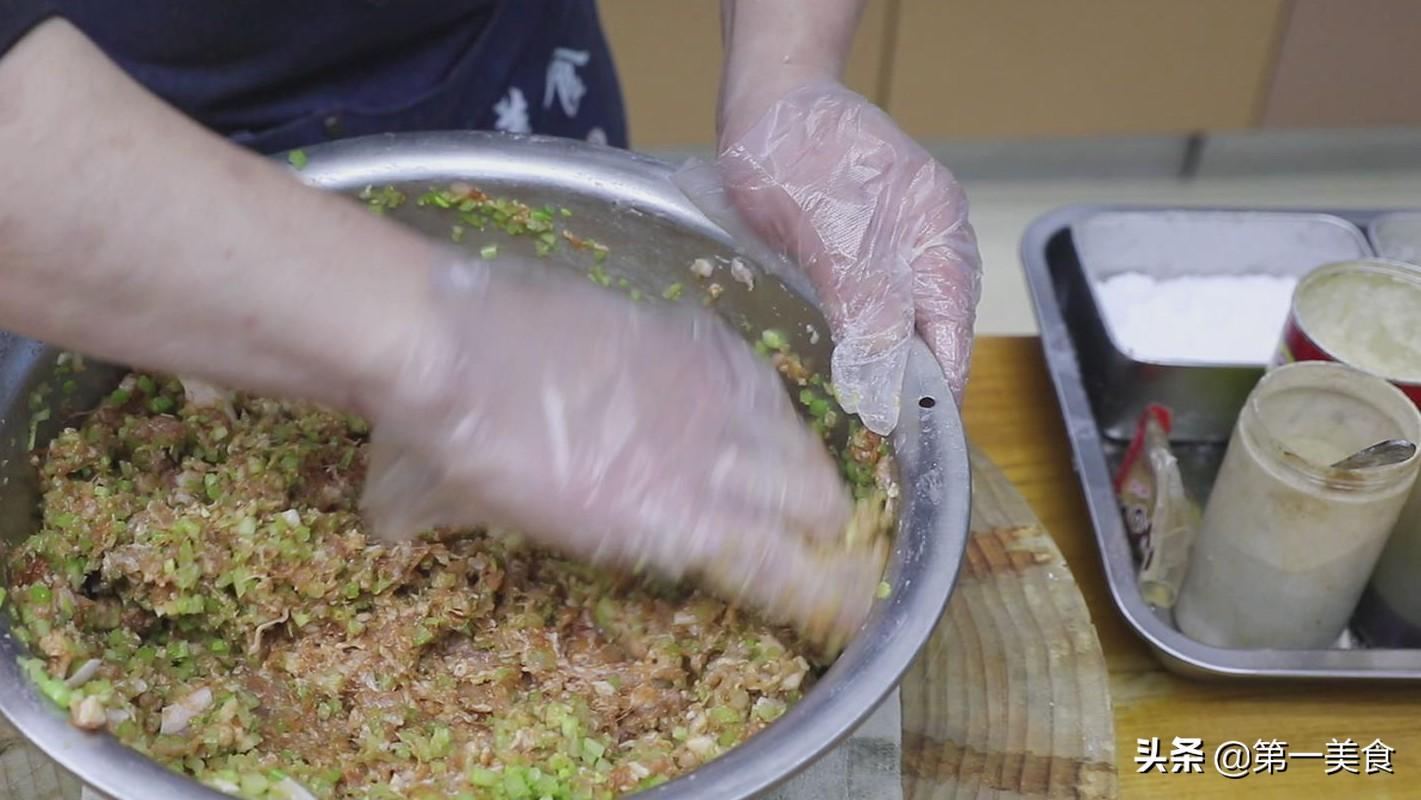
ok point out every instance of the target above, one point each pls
(1347, 65)
(1019, 68)
(1032, 68)
(668, 55)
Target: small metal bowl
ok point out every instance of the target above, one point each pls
(628, 203)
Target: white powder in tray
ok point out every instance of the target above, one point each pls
(1216, 319)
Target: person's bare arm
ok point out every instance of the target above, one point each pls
(130, 233)
(774, 45)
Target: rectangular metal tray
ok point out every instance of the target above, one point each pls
(1090, 374)
(1397, 235)
(1175, 243)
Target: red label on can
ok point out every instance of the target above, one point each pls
(1298, 346)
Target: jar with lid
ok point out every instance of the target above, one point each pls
(1287, 541)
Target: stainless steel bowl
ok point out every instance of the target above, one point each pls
(654, 233)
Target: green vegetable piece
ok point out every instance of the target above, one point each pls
(298, 158)
(440, 742)
(724, 715)
(56, 690)
(482, 776)
(118, 397)
(40, 594)
(178, 650)
(884, 590)
(160, 404)
(774, 340)
(605, 612)
(254, 784)
(489, 252)
(673, 292)
(515, 783)
(769, 712)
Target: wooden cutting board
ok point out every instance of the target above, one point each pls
(1008, 700)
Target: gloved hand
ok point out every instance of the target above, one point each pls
(624, 434)
(878, 226)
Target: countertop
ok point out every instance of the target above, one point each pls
(1012, 415)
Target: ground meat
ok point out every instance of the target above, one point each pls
(249, 634)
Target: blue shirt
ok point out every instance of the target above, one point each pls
(276, 74)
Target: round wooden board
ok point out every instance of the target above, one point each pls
(1010, 698)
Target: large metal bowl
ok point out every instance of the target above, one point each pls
(654, 233)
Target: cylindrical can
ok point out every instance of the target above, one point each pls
(1288, 541)
(1365, 314)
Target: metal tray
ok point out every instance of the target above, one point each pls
(1397, 235)
(1089, 373)
(1175, 243)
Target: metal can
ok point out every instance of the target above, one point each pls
(1288, 541)
(1365, 314)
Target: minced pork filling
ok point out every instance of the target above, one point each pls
(203, 588)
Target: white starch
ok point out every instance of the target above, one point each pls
(1220, 319)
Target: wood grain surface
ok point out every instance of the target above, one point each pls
(1012, 416)
(1010, 697)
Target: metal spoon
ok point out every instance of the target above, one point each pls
(1390, 451)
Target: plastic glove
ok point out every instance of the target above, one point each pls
(879, 227)
(627, 435)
